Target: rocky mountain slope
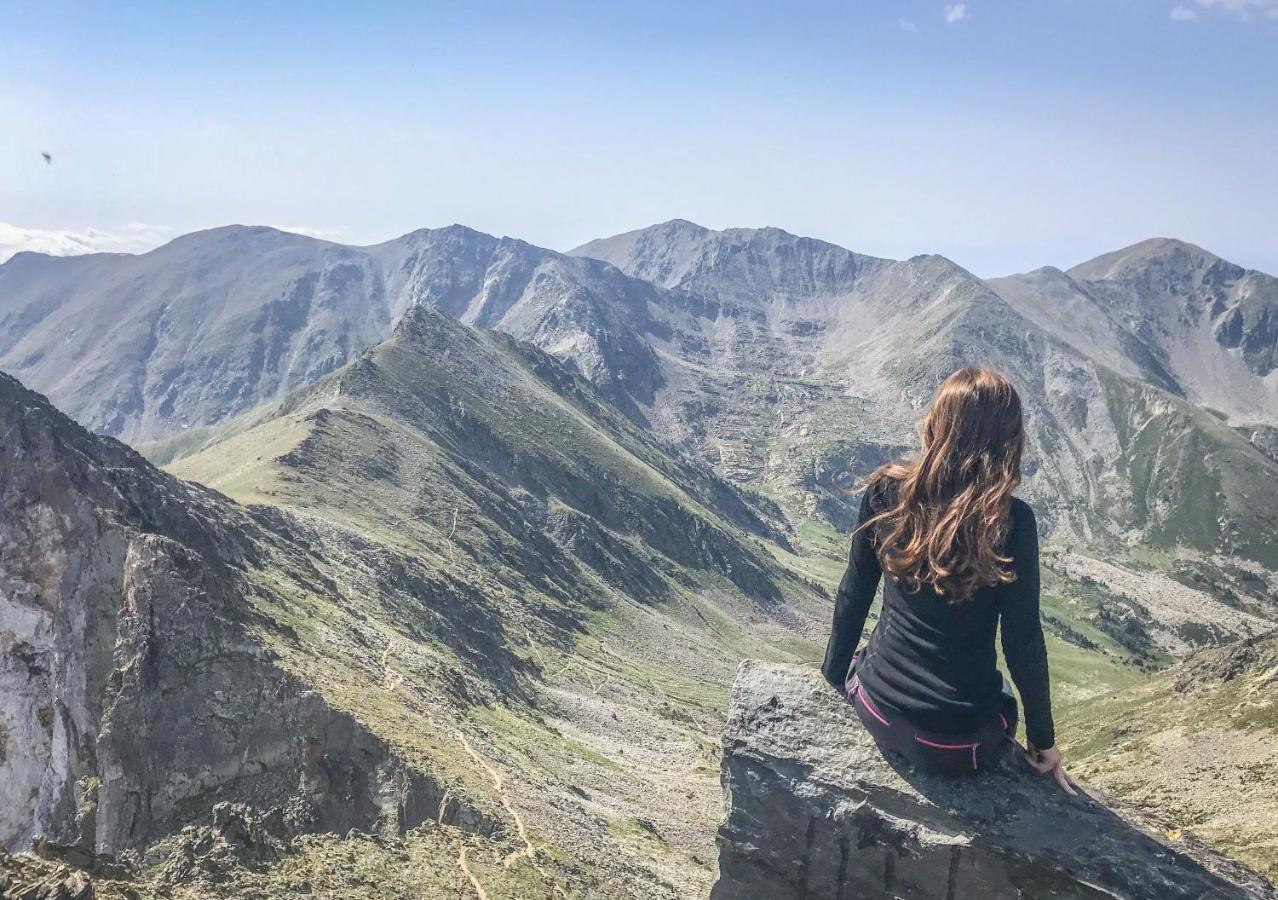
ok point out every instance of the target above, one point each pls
(803, 356)
(552, 539)
(630, 579)
(576, 309)
(199, 330)
(525, 642)
(133, 602)
(217, 322)
(804, 366)
(1170, 313)
(788, 363)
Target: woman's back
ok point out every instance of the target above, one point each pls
(934, 660)
(959, 555)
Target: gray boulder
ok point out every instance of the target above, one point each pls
(814, 810)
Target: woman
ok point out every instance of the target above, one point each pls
(961, 557)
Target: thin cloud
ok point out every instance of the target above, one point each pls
(136, 237)
(955, 12)
(1183, 14)
(907, 25)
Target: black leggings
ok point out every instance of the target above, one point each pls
(948, 754)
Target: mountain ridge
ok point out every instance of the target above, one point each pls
(238, 316)
(493, 614)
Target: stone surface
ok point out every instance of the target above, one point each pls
(28, 877)
(815, 811)
(134, 692)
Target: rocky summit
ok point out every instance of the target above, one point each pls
(814, 810)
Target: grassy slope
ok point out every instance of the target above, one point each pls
(596, 706)
(1196, 744)
(1196, 481)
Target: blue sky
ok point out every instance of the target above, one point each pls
(1005, 135)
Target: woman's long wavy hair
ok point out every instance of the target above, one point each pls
(951, 505)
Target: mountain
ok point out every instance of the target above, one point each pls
(576, 309)
(520, 645)
(198, 330)
(790, 365)
(498, 523)
(628, 580)
(1198, 326)
(147, 658)
(789, 358)
(801, 366)
(218, 322)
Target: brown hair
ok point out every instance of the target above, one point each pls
(948, 515)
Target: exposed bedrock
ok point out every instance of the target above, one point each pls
(136, 692)
(815, 811)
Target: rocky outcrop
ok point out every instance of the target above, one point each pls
(135, 690)
(29, 877)
(815, 811)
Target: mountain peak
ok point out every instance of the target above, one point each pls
(422, 319)
(454, 232)
(456, 229)
(673, 253)
(1181, 254)
(678, 225)
(667, 232)
(225, 236)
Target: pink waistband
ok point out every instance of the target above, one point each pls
(867, 702)
(923, 740)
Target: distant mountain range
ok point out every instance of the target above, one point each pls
(788, 363)
(217, 322)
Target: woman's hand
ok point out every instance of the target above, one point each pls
(1049, 761)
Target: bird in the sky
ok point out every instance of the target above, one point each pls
(47, 158)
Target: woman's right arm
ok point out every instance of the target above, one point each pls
(1025, 649)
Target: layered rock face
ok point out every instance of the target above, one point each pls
(815, 811)
(134, 694)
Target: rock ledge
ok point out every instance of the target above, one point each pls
(815, 811)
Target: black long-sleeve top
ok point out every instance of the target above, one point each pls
(934, 660)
